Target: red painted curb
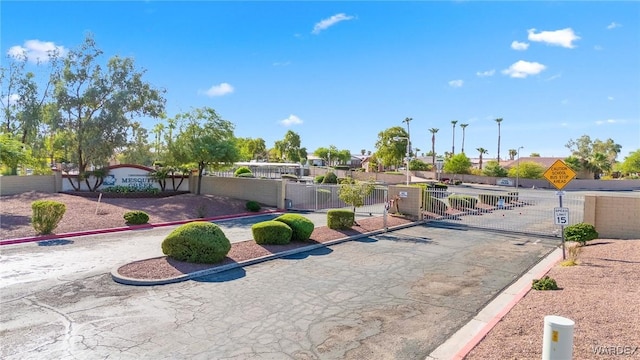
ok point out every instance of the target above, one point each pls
(485, 330)
(126, 228)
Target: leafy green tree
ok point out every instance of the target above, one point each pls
(251, 149)
(392, 146)
(138, 151)
(12, 153)
(513, 153)
(97, 103)
(205, 139)
(493, 168)
(418, 165)
(597, 156)
(631, 163)
(332, 155)
(534, 154)
(527, 170)
(290, 149)
(355, 194)
(457, 164)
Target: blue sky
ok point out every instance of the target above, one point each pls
(338, 73)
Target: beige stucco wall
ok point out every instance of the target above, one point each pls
(265, 191)
(615, 217)
(411, 203)
(11, 185)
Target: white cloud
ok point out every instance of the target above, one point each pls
(486, 73)
(291, 120)
(522, 69)
(11, 99)
(219, 90)
(456, 83)
(609, 121)
(564, 37)
(613, 25)
(330, 21)
(35, 51)
(516, 45)
(282, 63)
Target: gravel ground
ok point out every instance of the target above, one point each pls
(601, 294)
(87, 214)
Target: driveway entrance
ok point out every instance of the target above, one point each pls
(394, 296)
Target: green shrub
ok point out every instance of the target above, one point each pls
(271, 232)
(242, 170)
(340, 219)
(197, 242)
(301, 227)
(346, 181)
(289, 177)
(581, 232)
(318, 179)
(46, 215)
(136, 217)
(253, 206)
(462, 202)
(330, 178)
(245, 175)
(437, 185)
(546, 283)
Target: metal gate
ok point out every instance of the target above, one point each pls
(322, 197)
(525, 210)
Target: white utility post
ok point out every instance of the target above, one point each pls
(518, 166)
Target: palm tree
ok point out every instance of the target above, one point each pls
(499, 120)
(433, 132)
(453, 144)
(482, 151)
(463, 126)
(512, 153)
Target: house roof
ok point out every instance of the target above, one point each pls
(543, 161)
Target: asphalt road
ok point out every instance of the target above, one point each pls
(394, 296)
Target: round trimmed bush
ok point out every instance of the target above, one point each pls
(253, 206)
(197, 242)
(46, 215)
(271, 232)
(243, 170)
(301, 227)
(330, 178)
(136, 217)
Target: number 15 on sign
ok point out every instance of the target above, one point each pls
(561, 215)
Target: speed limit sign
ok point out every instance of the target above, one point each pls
(561, 215)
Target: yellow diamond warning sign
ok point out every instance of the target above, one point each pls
(559, 174)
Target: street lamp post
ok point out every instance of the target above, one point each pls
(518, 166)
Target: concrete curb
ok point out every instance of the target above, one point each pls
(142, 282)
(128, 228)
(466, 338)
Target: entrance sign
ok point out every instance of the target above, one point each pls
(561, 215)
(559, 174)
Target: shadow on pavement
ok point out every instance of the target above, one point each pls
(303, 255)
(225, 276)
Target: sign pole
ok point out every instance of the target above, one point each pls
(559, 175)
(564, 256)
